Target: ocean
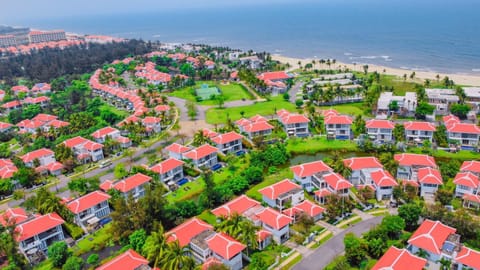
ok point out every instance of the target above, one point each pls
(427, 35)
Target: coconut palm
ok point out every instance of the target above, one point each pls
(445, 263)
(231, 225)
(154, 248)
(248, 235)
(176, 257)
(422, 253)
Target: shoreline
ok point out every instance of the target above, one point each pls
(460, 79)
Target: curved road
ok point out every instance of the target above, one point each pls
(334, 247)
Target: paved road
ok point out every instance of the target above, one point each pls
(322, 256)
(297, 87)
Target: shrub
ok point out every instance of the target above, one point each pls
(75, 231)
(93, 259)
(58, 253)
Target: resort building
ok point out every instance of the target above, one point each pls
(276, 223)
(310, 175)
(466, 258)
(399, 259)
(129, 260)
(275, 81)
(282, 194)
(255, 126)
(419, 131)
(436, 239)
(7, 168)
(204, 156)
(102, 134)
(332, 183)
(176, 150)
(13, 216)
(5, 127)
(228, 143)
(472, 166)
(293, 124)
(338, 126)
(241, 205)
(361, 168)
(380, 130)
(429, 180)
(406, 104)
(89, 209)
(133, 185)
(306, 207)
(408, 164)
(37, 234)
(43, 160)
(383, 183)
(85, 150)
(467, 135)
(441, 99)
(226, 249)
(37, 36)
(466, 183)
(170, 171)
(472, 97)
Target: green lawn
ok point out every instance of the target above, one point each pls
(353, 109)
(460, 155)
(123, 114)
(231, 91)
(400, 86)
(294, 261)
(313, 145)
(208, 217)
(270, 179)
(99, 237)
(219, 116)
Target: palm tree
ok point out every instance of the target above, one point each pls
(154, 248)
(422, 253)
(176, 257)
(445, 263)
(248, 235)
(231, 225)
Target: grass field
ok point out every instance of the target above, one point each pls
(99, 237)
(115, 110)
(231, 92)
(314, 145)
(400, 86)
(350, 109)
(218, 116)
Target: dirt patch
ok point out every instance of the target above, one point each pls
(188, 128)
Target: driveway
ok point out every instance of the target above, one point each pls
(334, 247)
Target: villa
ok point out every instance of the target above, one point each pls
(441, 99)
(467, 135)
(176, 150)
(130, 260)
(102, 134)
(383, 183)
(7, 168)
(338, 126)
(89, 209)
(170, 170)
(226, 249)
(5, 127)
(380, 130)
(255, 126)
(399, 259)
(228, 143)
(294, 124)
(333, 183)
(282, 193)
(241, 205)
(152, 124)
(276, 223)
(13, 216)
(310, 175)
(275, 81)
(85, 150)
(419, 131)
(43, 160)
(306, 207)
(204, 156)
(467, 258)
(408, 164)
(406, 104)
(430, 180)
(466, 183)
(133, 185)
(472, 166)
(361, 168)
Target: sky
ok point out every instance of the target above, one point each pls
(19, 11)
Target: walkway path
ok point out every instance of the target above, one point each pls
(297, 87)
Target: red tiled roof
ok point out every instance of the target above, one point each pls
(273, 218)
(7, 168)
(329, 112)
(187, 230)
(36, 100)
(31, 156)
(74, 141)
(105, 186)
(92, 146)
(150, 120)
(234, 75)
(258, 118)
(471, 198)
(44, 117)
(210, 262)
(200, 152)
(463, 128)
(257, 126)
(322, 192)
(310, 168)
(4, 125)
(13, 216)
(468, 257)
(471, 166)
(177, 148)
(431, 235)
(131, 182)
(122, 139)
(383, 178)
(293, 118)
(467, 179)
(227, 137)
(450, 119)
(276, 190)
(87, 201)
(11, 104)
(224, 245)
(359, 163)
(406, 159)
(384, 124)
(424, 126)
(166, 165)
(338, 120)
(409, 182)
(429, 176)
(336, 181)
(275, 75)
(307, 207)
(38, 225)
(209, 133)
(263, 234)
(399, 259)
(54, 166)
(162, 108)
(238, 205)
(129, 260)
(103, 132)
(57, 124)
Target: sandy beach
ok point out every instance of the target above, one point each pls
(467, 80)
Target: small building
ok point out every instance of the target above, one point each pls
(466, 183)
(254, 127)
(7, 168)
(129, 260)
(383, 183)
(408, 164)
(361, 168)
(176, 150)
(152, 124)
(85, 150)
(472, 166)
(169, 170)
(39, 233)
(282, 194)
(43, 160)
(228, 143)
(467, 258)
(436, 239)
(466, 134)
(276, 223)
(309, 175)
(406, 104)
(90, 209)
(380, 130)
(430, 180)
(442, 99)
(133, 185)
(399, 259)
(204, 156)
(419, 131)
(240, 205)
(226, 249)
(186, 231)
(294, 124)
(472, 97)
(338, 126)
(306, 207)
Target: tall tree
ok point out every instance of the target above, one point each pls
(176, 257)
